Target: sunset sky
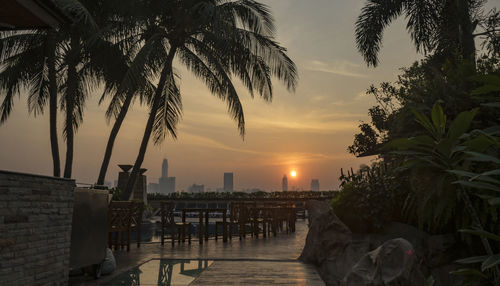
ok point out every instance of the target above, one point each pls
(307, 131)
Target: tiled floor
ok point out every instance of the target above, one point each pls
(248, 261)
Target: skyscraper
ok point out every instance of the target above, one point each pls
(315, 185)
(166, 183)
(228, 182)
(284, 184)
(164, 169)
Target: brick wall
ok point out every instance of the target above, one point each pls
(35, 229)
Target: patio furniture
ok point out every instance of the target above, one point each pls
(203, 227)
(120, 222)
(168, 221)
(138, 209)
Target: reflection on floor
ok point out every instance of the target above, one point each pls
(162, 272)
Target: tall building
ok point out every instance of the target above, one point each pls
(284, 184)
(315, 185)
(153, 188)
(164, 169)
(171, 185)
(166, 183)
(228, 182)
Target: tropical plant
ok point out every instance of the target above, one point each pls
(370, 198)
(438, 158)
(214, 39)
(439, 27)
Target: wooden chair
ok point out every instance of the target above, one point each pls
(239, 217)
(137, 210)
(225, 226)
(168, 221)
(120, 222)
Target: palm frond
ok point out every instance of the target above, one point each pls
(375, 16)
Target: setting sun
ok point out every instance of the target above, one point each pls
(293, 173)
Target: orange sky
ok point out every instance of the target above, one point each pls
(308, 131)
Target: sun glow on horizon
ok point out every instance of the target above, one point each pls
(293, 173)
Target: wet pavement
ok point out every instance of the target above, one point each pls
(250, 261)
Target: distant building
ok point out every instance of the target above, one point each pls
(171, 185)
(166, 183)
(196, 188)
(228, 182)
(153, 188)
(284, 184)
(315, 185)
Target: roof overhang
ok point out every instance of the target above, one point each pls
(30, 14)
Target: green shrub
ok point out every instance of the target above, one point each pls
(370, 199)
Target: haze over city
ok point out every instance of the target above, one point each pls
(307, 131)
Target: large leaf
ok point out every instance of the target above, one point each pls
(491, 261)
(398, 144)
(469, 271)
(462, 173)
(481, 233)
(479, 157)
(494, 201)
(438, 118)
(424, 121)
(472, 260)
(461, 124)
(478, 185)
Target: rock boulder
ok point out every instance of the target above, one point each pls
(328, 237)
(393, 263)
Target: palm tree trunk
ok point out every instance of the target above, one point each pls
(112, 137)
(71, 93)
(149, 125)
(54, 145)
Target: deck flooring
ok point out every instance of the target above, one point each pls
(250, 261)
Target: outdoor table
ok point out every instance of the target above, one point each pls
(206, 212)
(268, 212)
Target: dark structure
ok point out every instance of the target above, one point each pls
(315, 185)
(228, 182)
(284, 184)
(30, 14)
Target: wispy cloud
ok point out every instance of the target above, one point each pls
(269, 158)
(343, 68)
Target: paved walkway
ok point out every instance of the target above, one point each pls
(251, 261)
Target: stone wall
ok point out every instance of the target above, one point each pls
(35, 229)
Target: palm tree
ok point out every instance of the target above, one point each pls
(214, 39)
(90, 58)
(440, 26)
(28, 60)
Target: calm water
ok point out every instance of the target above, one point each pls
(164, 272)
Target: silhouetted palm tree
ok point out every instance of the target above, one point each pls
(72, 60)
(214, 39)
(444, 27)
(28, 60)
(92, 57)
